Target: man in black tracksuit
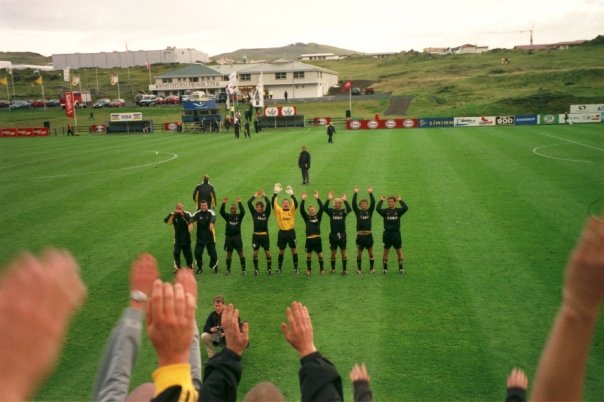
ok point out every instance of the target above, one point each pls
(205, 191)
(392, 229)
(337, 236)
(260, 238)
(180, 220)
(205, 219)
(364, 211)
(313, 232)
(232, 233)
(304, 165)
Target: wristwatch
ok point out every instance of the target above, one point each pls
(138, 296)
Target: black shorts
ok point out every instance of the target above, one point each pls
(286, 238)
(392, 239)
(337, 240)
(314, 245)
(233, 243)
(259, 240)
(364, 241)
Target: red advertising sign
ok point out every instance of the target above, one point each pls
(24, 132)
(321, 121)
(69, 111)
(381, 124)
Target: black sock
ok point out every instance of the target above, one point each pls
(280, 261)
(359, 263)
(228, 263)
(256, 263)
(242, 261)
(295, 256)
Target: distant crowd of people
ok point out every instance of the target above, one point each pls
(391, 209)
(33, 332)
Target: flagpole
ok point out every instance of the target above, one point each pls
(75, 113)
(350, 99)
(42, 86)
(12, 80)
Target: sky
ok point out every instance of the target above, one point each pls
(68, 26)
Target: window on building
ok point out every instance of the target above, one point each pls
(245, 77)
(225, 77)
(280, 76)
(299, 74)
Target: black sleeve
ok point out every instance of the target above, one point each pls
(167, 219)
(303, 211)
(241, 210)
(251, 206)
(223, 211)
(209, 323)
(295, 201)
(355, 207)
(195, 195)
(516, 395)
(362, 391)
(404, 208)
(319, 379)
(347, 205)
(267, 207)
(308, 163)
(379, 207)
(326, 208)
(371, 202)
(221, 377)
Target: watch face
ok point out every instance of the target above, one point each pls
(138, 296)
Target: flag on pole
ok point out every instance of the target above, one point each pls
(38, 81)
(232, 83)
(259, 94)
(69, 105)
(114, 79)
(66, 74)
(346, 86)
(75, 80)
(4, 81)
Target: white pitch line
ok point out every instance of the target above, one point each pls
(173, 156)
(566, 142)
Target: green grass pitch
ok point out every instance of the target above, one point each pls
(493, 214)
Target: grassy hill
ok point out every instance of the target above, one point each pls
(292, 51)
(25, 58)
(471, 84)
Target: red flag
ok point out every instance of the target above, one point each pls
(346, 86)
(69, 111)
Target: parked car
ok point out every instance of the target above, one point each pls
(172, 99)
(19, 104)
(356, 91)
(221, 98)
(117, 103)
(4, 104)
(147, 100)
(160, 100)
(38, 103)
(53, 103)
(102, 103)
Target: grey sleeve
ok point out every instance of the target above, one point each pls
(121, 350)
(195, 359)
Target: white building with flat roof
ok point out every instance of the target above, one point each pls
(129, 58)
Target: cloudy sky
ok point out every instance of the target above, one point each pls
(68, 26)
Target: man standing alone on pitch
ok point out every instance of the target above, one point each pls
(304, 164)
(205, 191)
(285, 220)
(181, 220)
(206, 236)
(232, 233)
(331, 130)
(260, 237)
(337, 236)
(392, 229)
(364, 211)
